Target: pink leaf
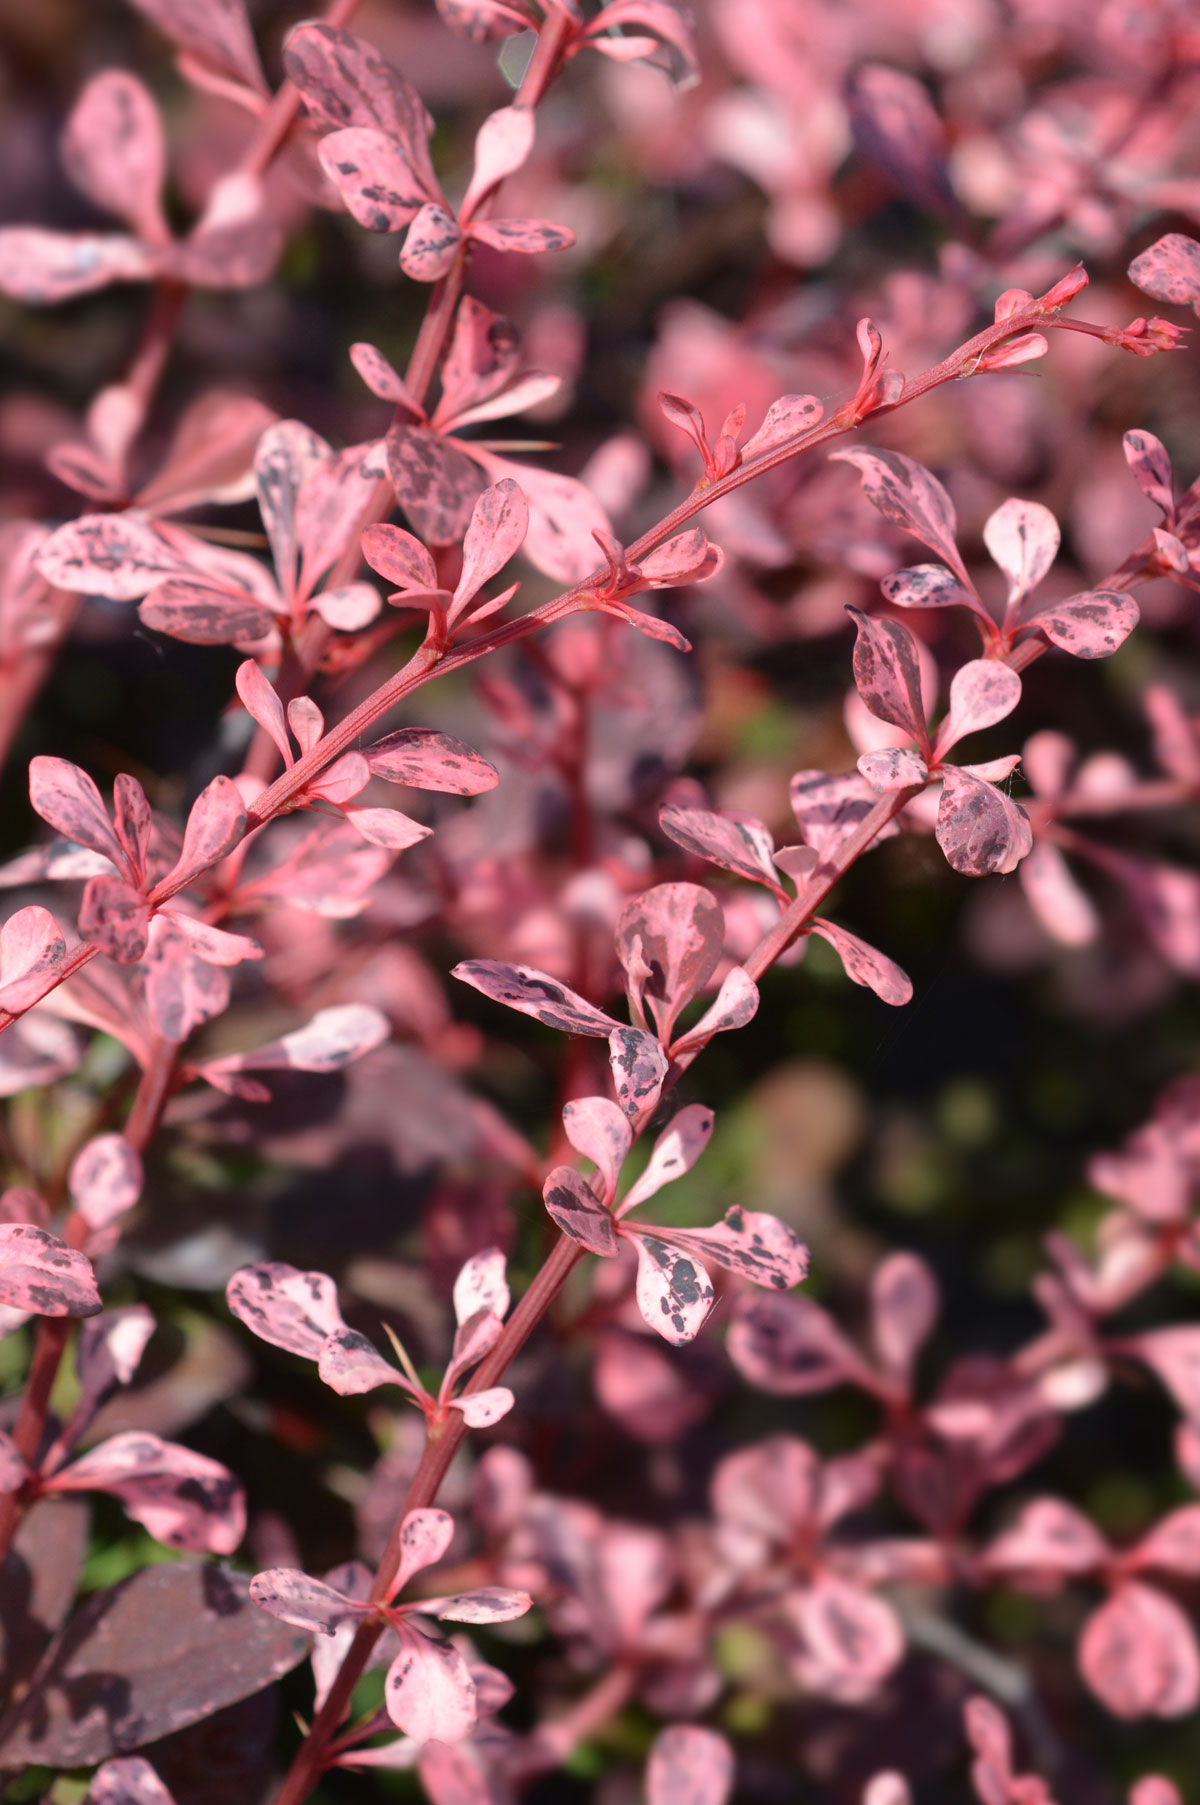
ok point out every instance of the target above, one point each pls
(898, 131)
(435, 482)
(288, 454)
(1174, 1355)
(865, 965)
(181, 991)
(380, 376)
(790, 1347)
(429, 1692)
(689, 1765)
(733, 839)
(598, 1129)
(981, 693)
(502, 145)
(261, 702)
(676, 1151)
(41, 1274)
(481, 1285)
(904, 1309)
(688, 558)
(498, 525)
(330, 508)
(927, 586)
(107, 1354)
(1062, 907)
(215, 31)
(431, 244)
(1173, 1545)
(32, 950)
(183, 1499)
(374, 177)
(670, 20)
(116, 917)
(128, 1781)
(334, 1038)
(1154, 1789)
(426, 760)
(853, 1640)
(534, 993)
(293, 1310)
(488, 1604)
(341, 780)
(638, 1065)
(785, 419)
(1150, 468)
(400, 558)
(425, 1535)
(44, 268)
(210, 454)
(572, 1204)
(348, 609)
(563, 515)
(524, 392)
(1138, 1654)
(203, 616)
(116, 555)
(481, 361)
(670, 940)
(345, 81)
(887, 670)
(735, 1004)
(893, 768)
(307, 1603)
(674, 1292)
(978, 828)
(216, 822)
(133, 822)
(758, 1246)
(532, 237)
(214, 945)
(114, 151)
(480, 1409)
(1023, 538)
(1049, 1538)
(67, 798)
(911, 496)
(105, 1179)
(387, 827)
(829, 809)
(887, 1788)
(1169, 270)
(1091, 625)
(350, 1365)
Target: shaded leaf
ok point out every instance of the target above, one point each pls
(978, 828)
(893, 768)
(910, 496)
(41, 1274)
(290, 1309)
(865, 964)
(674, 1292)
(733, 839)
(572, 1204)
(116, 917)
(374, 177)
(436, 483)
(639, 1066)
(308, 1604)
(184, 1499)
(887, 671)
(534, 993)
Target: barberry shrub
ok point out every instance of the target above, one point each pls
(553, 1224)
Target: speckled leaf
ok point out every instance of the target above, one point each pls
(427, 760)
(288, 454)
(290, 1309)
(759, 1246)
(735, 1004)
(981, 693)
(535, 993)
(431, 244)
(563, 515)
(67, 798)
(184, 1639)
(32, 950)
(893, 768)
(676, 1151)
(1051, 1538)
(598, 1129)
(926, 586)
(203, 616)
(381, 377)
(978, 828)
(910, 496)
(436, 484)
(181, 990)
(350, 1365)
(184, 1499)
(216, 946)
(785, 419)
(689, 1765)
(41, 1274)
(852, 1638)
(829, 809)
(429, 1692)
(674, 1292)
(331, 505)
(497, 528)
(789, 1346)
(864, 964)
(128, 1781)
(217, 32)
(1169, 270)
(309, 1604)
(400, 558)
(572, 1204)
(887, 670)
(120, 556)
(374, 177)
(116, 917)
(349, 608)
(480, 1409)
(481, 1285)
(483, 356)
(1023, 538)
(216, 822)
(105, 1179)
(43, 268)
(738, 841)
(639, 1065)
(346, 82)
(425, 1536)
(1150, 467)
(1091, 625)
(529, 236)
(114, 151)
(670, 941)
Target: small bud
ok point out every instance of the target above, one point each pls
(1064, 290)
